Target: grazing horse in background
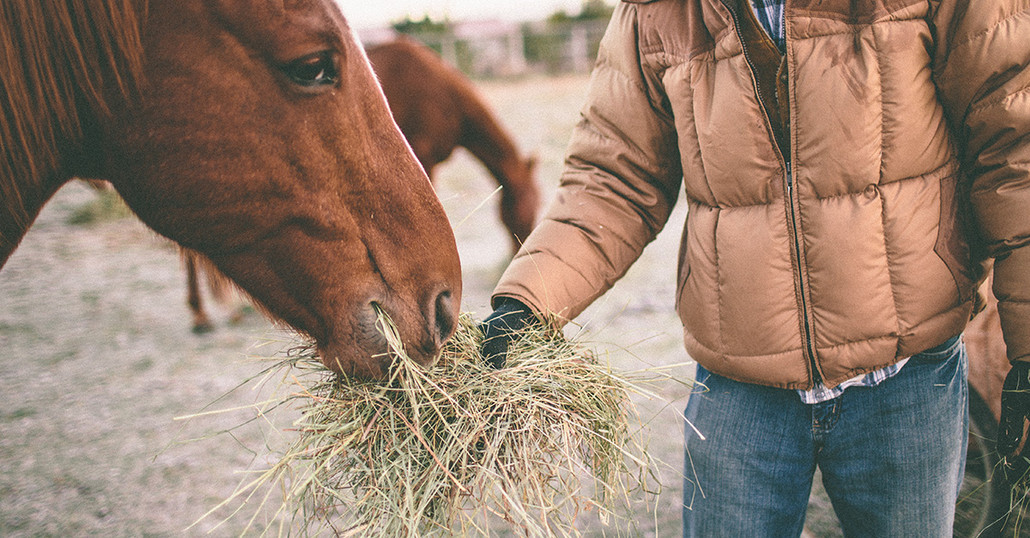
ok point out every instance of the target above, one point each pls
(253, 132)
(988, 356)
(220, 288)
(438, 109)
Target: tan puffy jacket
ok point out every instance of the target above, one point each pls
(906, 124)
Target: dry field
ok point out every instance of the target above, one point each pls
(98, 360)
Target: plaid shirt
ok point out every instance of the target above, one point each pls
(820, 393)
(770, 14)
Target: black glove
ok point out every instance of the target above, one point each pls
(1015, 409)
(501, 327)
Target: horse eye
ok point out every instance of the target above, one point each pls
(317, 69)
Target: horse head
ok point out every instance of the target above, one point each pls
(261, 139)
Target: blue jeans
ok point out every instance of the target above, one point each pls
(891, 456)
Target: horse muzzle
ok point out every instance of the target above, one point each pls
(387, 327)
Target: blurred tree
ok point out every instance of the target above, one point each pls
(421, 27)
(552, 44)
(590, 10)
(595, 10)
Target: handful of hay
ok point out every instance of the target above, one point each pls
(459, 447)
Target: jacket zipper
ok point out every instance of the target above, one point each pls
(808, 350)
(806, 326)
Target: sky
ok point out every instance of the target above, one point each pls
(379, 13)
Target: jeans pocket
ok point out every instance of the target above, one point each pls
(941, 352)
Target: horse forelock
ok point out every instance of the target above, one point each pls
(59, 58)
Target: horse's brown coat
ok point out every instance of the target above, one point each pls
(988, 360)
(306, 196)
(438, 109)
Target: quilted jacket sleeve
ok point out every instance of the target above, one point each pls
(982, 69)
(621, 178)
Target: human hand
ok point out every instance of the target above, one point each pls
(1015, 410)
(501, 327)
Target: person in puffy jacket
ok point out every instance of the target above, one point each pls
(847, 166)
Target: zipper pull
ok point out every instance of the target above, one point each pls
(790, 177)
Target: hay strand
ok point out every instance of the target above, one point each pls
(458, 448)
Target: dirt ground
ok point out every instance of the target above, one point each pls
(97, 359)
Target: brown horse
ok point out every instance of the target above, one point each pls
(438, 109)
(988, 358)
(253, 132)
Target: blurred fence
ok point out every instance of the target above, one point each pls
(490, 49)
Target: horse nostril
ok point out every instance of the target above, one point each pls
(445, 316)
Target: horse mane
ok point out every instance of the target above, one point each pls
(61, 64)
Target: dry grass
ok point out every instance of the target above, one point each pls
(459, 448)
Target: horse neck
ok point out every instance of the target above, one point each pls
(484, 137)
(66, 61)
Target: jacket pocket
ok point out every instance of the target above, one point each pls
(683, 264)
(683, 273)
(952, 246)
